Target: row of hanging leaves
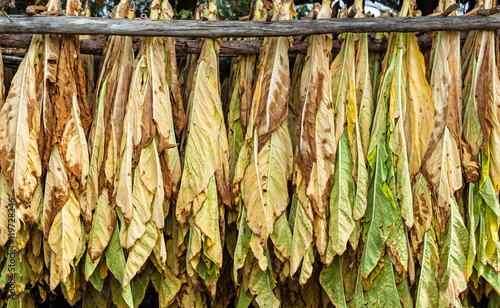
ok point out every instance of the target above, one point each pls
(354, 179)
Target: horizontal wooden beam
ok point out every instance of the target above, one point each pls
(212, 29)
(225, 62)
(183, 47)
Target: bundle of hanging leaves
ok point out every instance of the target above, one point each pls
(348, 180)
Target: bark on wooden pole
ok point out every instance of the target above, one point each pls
(213, 29)
(183, 47)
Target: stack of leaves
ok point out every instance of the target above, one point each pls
(439, 234)
(315, 154)
(399, 137)
(263, 169)
(204, 190)
(108, 105)
(244, 70)
(338, 228)
(23, 143)
(314, 196)
(149, 167)
(67, 118)
(481, 130)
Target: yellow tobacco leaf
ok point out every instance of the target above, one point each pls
(63, 240)
(20, 160)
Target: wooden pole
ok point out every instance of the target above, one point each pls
(213, 29)
(183, 47)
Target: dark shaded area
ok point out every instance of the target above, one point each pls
(231, 9)
(428, 6)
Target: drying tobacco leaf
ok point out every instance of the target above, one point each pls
(403, 112)
(409, 112)
(205, 180)
(453, 261)
(5, 192)
(442, 176)
(382, 218)
(172, 73)
(241, 98)
(381, 290)
(481, 129)
(332, 282)
(427, 288)
(149, 165)
(315, 141)
(353, 111)
(69, 162)
(244, 71)
(21, 161)
(359, 122)
(442, 166)
(264, 166)
(109, 103)
(265, 161)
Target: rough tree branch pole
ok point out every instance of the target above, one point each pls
(183, 47)
(209, 29)
(239, 47)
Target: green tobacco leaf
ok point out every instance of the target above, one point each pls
(282, 237)
(94, 298)
(115, 260)
(332, 282)
(90, 266)
(379, 128)
(358, 298)
(453, 261)
(491, 215)
(360, 200)
(494, 300)
(382, 292)
(404, 294)
(381, 213)
(97, 280)
(302, 230)
(140, 253)
(166, 285)
(235, 129)
(242, 244)
(116, 292)
(364, 117)
(261, 285)
(427, 290)
(244, 299)
(492, 277)
(140, 284)
(341, 221)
